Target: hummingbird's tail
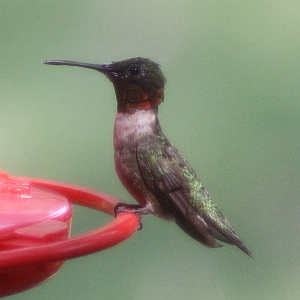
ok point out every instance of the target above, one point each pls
(205, 226)
(207, 231)
(224, 232)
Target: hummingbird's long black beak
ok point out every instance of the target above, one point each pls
(105, 68)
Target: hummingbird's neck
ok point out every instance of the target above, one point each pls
(132, 97)
(133, 125)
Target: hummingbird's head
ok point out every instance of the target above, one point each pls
(139, 82)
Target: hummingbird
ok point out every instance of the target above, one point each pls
(147, 163)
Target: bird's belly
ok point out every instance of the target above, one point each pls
(127, 169)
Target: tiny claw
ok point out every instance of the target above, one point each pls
(118, 208)
(140, 226)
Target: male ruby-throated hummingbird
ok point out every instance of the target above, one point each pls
(148, 164)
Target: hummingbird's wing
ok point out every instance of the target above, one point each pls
(176, 186)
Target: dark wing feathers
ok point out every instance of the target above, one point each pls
(164, 172)
(158, 163)
(171, 183)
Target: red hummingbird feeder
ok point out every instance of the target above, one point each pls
(35, 229)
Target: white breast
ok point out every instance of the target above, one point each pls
(131, 126)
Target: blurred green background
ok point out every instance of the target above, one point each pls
(231, 107)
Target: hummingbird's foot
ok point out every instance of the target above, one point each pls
(132, 208)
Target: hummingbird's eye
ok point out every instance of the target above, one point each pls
(135, 70)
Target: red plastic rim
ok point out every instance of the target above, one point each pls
(121, 228)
